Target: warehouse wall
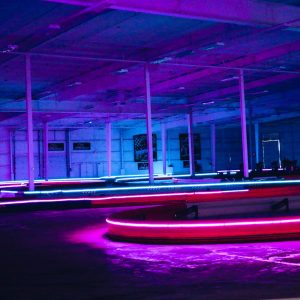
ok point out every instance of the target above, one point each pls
(173, 151)
(288, 132)
(82, 163)
(19, 148)
(228, 148)
(5, 169)
(92, 163)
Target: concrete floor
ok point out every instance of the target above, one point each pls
(64, 255)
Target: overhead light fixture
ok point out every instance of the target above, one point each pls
(213, 46)
(10, 48)
(208, 103)
(181, 88)
(229, 79)
(54, 26)
(76, 83)
(259, 92)
(161, 60)
(122, 71)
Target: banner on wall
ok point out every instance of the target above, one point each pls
(184, 146)
(140, 147)
(82, 146)
(56, 147)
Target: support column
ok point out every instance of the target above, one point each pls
(213, 146)
(68, 153)
(250, 134)
(243, 125)
(122, 170)
(149, 126)
(30, 154)
(11, 153)
(191, 144)
(108, 146)
(164, 147)
(40, 161)
(45, 151)
(257, 152)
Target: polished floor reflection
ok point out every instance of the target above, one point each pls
(65, 255)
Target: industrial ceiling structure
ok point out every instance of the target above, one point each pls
(88, 60)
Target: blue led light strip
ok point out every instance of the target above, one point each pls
(164, 187)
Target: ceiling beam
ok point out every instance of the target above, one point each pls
(248, 86)
(197, 118)
(246, 12)
(238, 63)
(4, 116)
(100, 110)
(108, 82)
(41, 35)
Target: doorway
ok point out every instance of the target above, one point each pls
(271, 152)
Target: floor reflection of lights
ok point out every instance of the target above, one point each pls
(254, 260)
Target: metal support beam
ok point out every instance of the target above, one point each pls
(260, 83)
(30, 153)
(191, 144)
(257, 140)
(108, 139)
(213, 146)
(240, 63)
(250, 134)
(40, 161)
(45, 151)
(12, 154)
(164, 147)
(68, 153)
(149, 125)
(122, 170)
(243, 125)
(244, 12)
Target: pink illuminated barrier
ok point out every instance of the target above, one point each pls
(59, 182)
(196, 197)
(157, 225)
(155, 198)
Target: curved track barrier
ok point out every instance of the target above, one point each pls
(153, 197)
(159, 225)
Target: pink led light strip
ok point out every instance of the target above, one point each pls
(115, 197)
(202, 225)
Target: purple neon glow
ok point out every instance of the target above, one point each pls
(195, 224)
(169, 257)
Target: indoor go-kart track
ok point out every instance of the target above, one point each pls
(66, 254)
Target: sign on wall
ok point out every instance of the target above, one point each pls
(81, 146)
(140, 147)
(184, 146)
(56, 147)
